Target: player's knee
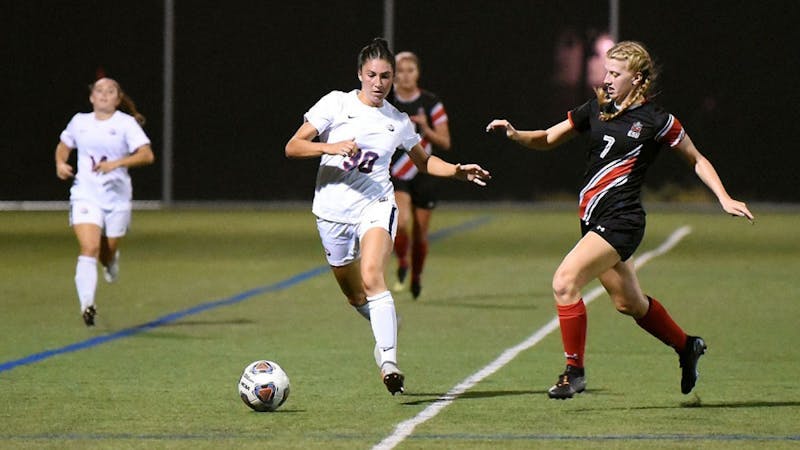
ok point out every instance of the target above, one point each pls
(565, 288)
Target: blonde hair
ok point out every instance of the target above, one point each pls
(409, 56)
(126, 103)
(639, 61)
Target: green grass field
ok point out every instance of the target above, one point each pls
(144, 379)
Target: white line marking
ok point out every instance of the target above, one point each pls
(405, 428)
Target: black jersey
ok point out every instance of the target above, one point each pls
(620, 152)
(402, 167)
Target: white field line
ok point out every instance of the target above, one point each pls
(405, 428)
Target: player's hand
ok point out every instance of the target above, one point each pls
(737, 208)
(346, 148)
(473, 173)
(105, 166)
(64, 171)
(502, 126)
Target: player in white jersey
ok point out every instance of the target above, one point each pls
(354, 200)
(109, 141)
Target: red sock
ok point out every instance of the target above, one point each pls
(658, 323)
(419, 250)
(572, 319)
(401, 248)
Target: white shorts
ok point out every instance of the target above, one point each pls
(341, 241)
(114, 223)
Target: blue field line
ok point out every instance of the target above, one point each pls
(169, 318)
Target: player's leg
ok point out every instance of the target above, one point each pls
(419, 248)
(87, 221)
(591, 256)
(116, 226)
(376, 232)
(401, 240)
(623, 287)
(88, 236)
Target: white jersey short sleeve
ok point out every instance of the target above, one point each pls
(100, 140)
(347, 185)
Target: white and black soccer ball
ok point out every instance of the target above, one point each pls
(264, 386)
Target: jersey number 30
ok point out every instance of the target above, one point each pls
(363, 160)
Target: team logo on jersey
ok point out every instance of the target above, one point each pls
(390, 127)
(636, 130)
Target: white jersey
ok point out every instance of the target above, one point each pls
(100, 140)
(347, 185)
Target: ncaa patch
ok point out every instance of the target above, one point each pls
(636, 130)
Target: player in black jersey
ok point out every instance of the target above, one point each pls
(626, 132)
(415, 192)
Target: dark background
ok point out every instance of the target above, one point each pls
(246, 71)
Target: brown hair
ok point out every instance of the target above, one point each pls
(639, 60)
(126, 103)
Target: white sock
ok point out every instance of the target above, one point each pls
(86, 280)
(363, 310)
(384, 325)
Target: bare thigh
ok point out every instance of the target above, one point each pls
(590, 257)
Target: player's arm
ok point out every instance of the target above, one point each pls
(438, 135)
(63, 169)
(302, 145)
(535, 139)
(142, 156)
(708, 175)
(433, 165)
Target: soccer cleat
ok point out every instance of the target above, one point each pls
(695, 347)
(571, 382)
(111, 272)
(416, 289)
(88, 316)
(393, 378)
(401, 277)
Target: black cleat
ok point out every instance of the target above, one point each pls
(88, 316)
(571, 382)
(393, 378)
(416, 289)
(695, 347)
(401, 274)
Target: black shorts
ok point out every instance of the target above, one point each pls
(421, 188)
(625, 240)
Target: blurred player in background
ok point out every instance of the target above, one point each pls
(415, 192)
(109, 142)
(626, 132)
(354, 201)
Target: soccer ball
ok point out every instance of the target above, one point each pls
(264, 386)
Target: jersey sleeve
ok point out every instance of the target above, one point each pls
(322, 113)
(409, 136)
(135, 136)
(579, 117)
(671, 132)
(68, 135)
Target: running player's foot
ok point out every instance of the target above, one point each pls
(111, 272)
(88, 315)
(695, 347)
(399, 285)
(416, 289)
(393, 378)
(569, 383)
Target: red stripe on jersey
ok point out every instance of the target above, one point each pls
(438, 114)
(402, 166)
(604, 183)
(672, 133)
